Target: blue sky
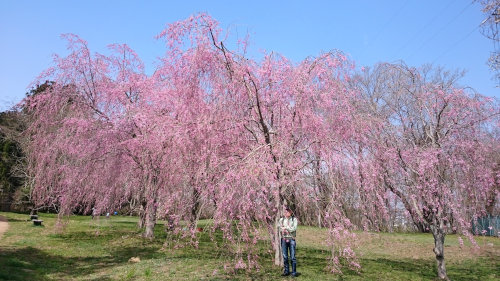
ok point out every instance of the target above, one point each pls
(416, 31)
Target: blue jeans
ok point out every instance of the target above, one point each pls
(285, 247)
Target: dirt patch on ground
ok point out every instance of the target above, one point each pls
(3, 226)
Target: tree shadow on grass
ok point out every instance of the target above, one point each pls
(410, 268)
(480, 269)
(29, 264)
(104, 235)
(34, 264)
(130, 223)
(313, 259)
(27, 220)
(425, 269)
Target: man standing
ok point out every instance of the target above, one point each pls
(288, 229)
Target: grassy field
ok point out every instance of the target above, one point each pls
(101, 249)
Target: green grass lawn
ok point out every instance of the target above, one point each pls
(101, 249)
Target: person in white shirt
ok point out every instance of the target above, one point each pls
(288, 230)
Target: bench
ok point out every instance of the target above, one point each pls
(33, 217)
(37, 222)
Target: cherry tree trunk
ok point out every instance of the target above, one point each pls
(142, 216)
(319, 218)
(195, 209)
(439, 236)
(421, 227)
(151, 205)
(150, 220)
(275, 235)
(278, 256)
